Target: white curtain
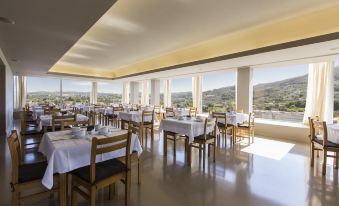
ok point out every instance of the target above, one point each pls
(197, 92)
(320, 91)
(19, 92)
(167, 93)
(125, 93)
(94, 93)
(144, 93)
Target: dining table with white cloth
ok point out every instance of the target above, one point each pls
(190, 127)
(134, 116)
(36, 113)
(234, 118)
(332, 133)
(46, 120)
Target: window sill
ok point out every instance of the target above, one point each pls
(280, 123)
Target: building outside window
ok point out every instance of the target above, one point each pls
(280, 93)
(218, 92)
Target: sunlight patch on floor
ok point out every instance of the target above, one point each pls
(272, 149)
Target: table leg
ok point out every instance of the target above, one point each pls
(63, 189)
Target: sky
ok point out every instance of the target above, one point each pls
(210, 81)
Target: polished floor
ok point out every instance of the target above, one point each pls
(269, 172)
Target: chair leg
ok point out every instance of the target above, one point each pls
(139, 168)
(111, 191)
(204, 156)
(208, 150)
(15, 198)
(200, 153)
(152, 133)
(128, 188)
(74, 197)
(165, 144)
(324, 162)
(189, 153)
(312, 155)
(336, 160)
(214, 152)
(174, 147)
(92, 196)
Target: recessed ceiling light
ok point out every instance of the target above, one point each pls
(6, 20)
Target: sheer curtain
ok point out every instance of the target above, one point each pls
(167, 93)
(319, 101)
(197, 92)
(94, 93)
(125, 93)
(144, 93)
(19, 92)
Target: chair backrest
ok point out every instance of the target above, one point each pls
(63, 121)
(209, 122)
(251, 119)
(157, 108)
(147, 114)
(118, 109)
(169, 112)
(220, 116)
(15, 150)
(319, 128)
(51, 111)
(109, 144)
(193, 112)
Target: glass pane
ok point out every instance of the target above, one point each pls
(181, 92)
(280, 93)
(109, 93)
(75, 91)
(218, 92)
(161, 92)
(40, 89)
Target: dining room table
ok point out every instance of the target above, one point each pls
(65, 153)
(134, 116)
(46, 120)
(332, 133)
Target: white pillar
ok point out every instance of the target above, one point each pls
(134, 92)
(144, 93)
(125, 93)
(155, 92)
(244, 89)
(167, 93)
(61, 99)
(197, 92)
(93, 97)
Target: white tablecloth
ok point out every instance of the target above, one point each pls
(190, 128)
(37, 113)
(235, 119)
(65, 154)
(36, 107)
(182, 112)
(135, 116)
(333, 133)
(46, 120)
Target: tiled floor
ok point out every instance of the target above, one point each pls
(270, 172)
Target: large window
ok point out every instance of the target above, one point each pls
(109, 93)
(280, 93)
(336, 89)
(75, 91)
(42, 89)
(218, 92)
(181, 92)
(161, 92)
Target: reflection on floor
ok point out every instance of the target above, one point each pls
(269, 172)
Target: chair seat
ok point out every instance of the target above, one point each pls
(112, 115)
(220, 124)
(243, 125)
(329, 144)
(104, 170)
(201, 137)
(30, 172)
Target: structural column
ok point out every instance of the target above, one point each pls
(125, 93)
(244, 89)
(134, 92)
(93, 98)
(197, 92)
(155, 92)
(167, 93)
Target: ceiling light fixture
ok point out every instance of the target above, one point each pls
(6, 20)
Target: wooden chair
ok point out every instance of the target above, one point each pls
(63, 121)
(30, 137)
(169, 112)
(224, 128)
(201, 141)
(25, 176)
(320, 142)
(51, 111)
(144, 125)
(246, 129)
(114, 117)
(193, 112)
(157, 110)
(102, 174)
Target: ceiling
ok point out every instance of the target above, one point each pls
(129, 32)
(44, 30)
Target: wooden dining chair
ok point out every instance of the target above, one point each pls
(224, 128)
(320, 142)
(25, 177)
(114, 117)
(157, 110)
(193, 111)
(147, 123)
(246, 129)
(200, 142)
(87, 180)
(62, 121)
(169, 112)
